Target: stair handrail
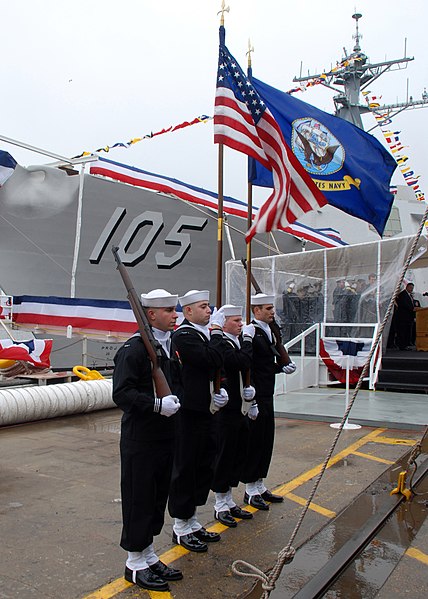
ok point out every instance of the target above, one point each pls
(301, 337)
(376, 361)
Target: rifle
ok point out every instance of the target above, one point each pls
(150, 343)
(274, 326)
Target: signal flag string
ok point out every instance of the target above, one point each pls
(120, 144)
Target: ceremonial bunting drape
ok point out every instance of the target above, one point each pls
(203, 197)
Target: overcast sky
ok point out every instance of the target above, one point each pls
(84, 74)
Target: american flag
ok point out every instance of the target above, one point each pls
(243, 122)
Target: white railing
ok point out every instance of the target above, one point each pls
(304, 376)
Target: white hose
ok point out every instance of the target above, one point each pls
(26, 404)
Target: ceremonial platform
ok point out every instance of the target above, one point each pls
(371, 408)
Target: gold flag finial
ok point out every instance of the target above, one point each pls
(224, 9)
(248, 53)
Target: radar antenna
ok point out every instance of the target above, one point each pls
(353, 74)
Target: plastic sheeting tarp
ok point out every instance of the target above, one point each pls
(337, 285)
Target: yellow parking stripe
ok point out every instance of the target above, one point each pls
(392, 441)
(313, 506)
(419, 555)
(110, 590)
(306, 476)
(372, 457)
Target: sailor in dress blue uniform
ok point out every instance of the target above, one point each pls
(232, 421)
(265, 367)
(146, 444)
(200, 355)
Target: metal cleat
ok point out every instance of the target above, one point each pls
(401, 486)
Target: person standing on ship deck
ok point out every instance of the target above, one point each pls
(200, 355)
(231, 424)
(262, 429)
(146, 444)
(405, 315)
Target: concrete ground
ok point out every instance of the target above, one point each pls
(61, 514)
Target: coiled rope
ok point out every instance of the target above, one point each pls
(286, 554)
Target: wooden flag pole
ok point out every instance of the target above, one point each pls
(220, 223)
(249, 217)
(249, 223)
(220, 228)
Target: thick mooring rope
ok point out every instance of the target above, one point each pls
(286, 555)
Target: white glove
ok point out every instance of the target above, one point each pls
(169, 405)
(253, 412)
(290, 368)
(249, 330)
(220, 399)
(248, 393)
(218, 318)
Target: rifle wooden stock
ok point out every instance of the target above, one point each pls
(150, 343)
(274, 326)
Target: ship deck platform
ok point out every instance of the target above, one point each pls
(61, 512)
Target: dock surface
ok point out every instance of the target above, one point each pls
(61, 512)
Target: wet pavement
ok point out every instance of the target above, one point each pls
(60, 510)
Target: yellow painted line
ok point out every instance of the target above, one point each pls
(392, 441)
(419, 555)
(306, 476)
(372, 457)
(110, 590)
(173, 554)
(313, 506)
(120, 584)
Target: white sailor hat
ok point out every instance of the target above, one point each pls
(230, 310)
(159, 298)
(261, 298)
(193, 296)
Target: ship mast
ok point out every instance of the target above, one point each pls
(353, 75)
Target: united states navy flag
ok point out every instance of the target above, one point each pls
(350, 167)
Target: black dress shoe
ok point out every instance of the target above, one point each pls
(189, 542)
(238, 512)
(207, 537)
(166, 572)
(256, 501)
(225, 518)
(146, 579)
(268, 496)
